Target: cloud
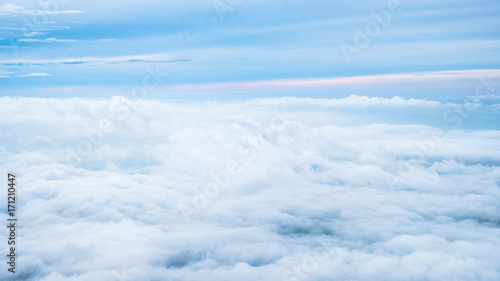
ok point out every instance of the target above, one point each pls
(106, 40)
(50, 40)
(351, 101)
(40, 74)
(155, 58)
(30, 34)
(408, 80)
(293, 193)
(47, 40)
(10, 9)
(20, 32)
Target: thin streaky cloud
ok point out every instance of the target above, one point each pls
(154, 58)
(346, 81)
(48, 40)
(106, 40)
(10, 9)
(39, 74)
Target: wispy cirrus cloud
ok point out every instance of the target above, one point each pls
(39, 74)
(154, 58)
(33, 31)
(417, 77)
(52, 40)
(5, 74)
(47, 40)
(11, 9)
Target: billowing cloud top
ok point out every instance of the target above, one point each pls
(266, 189)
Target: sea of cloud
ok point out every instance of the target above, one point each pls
(267, 189)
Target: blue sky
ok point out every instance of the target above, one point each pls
(237, 48)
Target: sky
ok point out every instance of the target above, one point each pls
(205, 49)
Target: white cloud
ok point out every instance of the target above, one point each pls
(406, 80)
(30, 34)
(10, 9)
(314, 198)
(40, 74)
(47, 40)
(351, 101)
(96, 60)
(106, 40)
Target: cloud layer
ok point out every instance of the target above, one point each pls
(268, 189)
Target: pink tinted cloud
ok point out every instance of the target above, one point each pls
(443, 77)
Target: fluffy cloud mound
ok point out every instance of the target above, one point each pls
(115, 189)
